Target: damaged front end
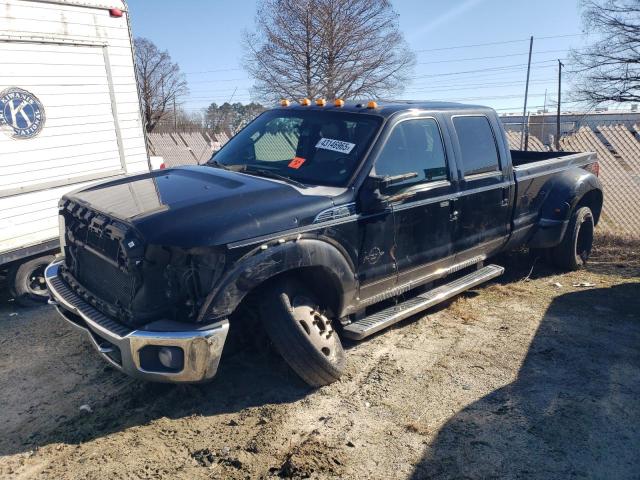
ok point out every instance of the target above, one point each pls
(108, 264)
(138, 303)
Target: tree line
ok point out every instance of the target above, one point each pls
(353, 49)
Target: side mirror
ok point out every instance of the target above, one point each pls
(372, 197)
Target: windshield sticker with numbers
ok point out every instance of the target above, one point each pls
(335, 145)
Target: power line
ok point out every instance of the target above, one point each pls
(419, 63)
(214, 71)
(489, 57)
(504, 42)
(505, 67)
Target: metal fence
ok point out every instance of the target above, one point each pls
(185, 148)
(618, 147)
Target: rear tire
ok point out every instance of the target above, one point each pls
(573, 251)
(26, 281)
(302, 334)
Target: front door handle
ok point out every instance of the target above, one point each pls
(505, 197)
(454, 215)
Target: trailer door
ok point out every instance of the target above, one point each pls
(58, 116)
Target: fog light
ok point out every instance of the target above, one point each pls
(170, 357)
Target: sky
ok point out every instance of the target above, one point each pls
(472, 51)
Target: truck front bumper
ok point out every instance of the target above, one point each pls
(163, 351)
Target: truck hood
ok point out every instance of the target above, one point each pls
(204, 206)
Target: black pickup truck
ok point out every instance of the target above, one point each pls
(327, 221)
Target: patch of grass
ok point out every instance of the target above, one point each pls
(616, 248)
(462, 308)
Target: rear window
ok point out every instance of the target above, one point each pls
(477, 145)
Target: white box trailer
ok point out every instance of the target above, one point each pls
(69, 116)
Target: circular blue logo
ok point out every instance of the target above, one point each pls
(21, 113)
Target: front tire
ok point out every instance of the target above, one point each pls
(302, 334)
(26, 281)
(573, 251)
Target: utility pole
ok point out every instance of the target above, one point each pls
(175, 117)
(523, 146)
(560, 65)
(544, 119)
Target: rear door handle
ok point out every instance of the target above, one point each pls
(454, 215)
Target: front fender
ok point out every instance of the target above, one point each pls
(261, 264)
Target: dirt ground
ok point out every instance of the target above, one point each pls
(522, 378)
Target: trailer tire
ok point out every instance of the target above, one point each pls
(573, 251)
(301, 334)
(26, 281)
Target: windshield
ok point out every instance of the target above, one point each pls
(312, 147)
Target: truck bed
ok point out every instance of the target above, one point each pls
(533, 172)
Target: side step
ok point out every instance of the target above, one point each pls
(378, 321)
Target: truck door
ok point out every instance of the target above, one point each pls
(421, 205)
(482, 210)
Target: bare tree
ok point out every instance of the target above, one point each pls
(328, 48)
(609, 69)
(161, 83)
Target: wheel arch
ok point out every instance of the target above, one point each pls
(592, 199)
(311, 260)
(568, 191)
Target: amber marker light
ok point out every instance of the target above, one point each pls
(284, 102)
(339, 102)
(372, 104)
(305, 102)
(321, 102)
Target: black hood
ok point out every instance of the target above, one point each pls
(203, 206)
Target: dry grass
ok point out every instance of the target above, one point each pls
(462, 308)
(610, 248)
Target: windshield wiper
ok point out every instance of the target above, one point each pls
(271, 174)
(217, 164)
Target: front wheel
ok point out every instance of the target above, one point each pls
(26, 281)
(302, 334)
(574, 250)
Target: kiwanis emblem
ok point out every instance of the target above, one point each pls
(21, 113)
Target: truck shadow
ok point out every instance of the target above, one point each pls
(573, 409)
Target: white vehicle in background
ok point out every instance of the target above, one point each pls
(69, 116)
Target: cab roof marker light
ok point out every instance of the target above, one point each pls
(339, 102)
(372, 104)
(284, 102)
(305, 102)
(115, 12)
(321, 102)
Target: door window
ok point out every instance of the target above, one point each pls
(414, 146)
(477, 145)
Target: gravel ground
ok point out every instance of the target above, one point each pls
(521, 378)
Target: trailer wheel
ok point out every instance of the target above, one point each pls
(574, 250)
(302, 334)
(26, 281)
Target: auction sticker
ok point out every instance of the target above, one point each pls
(335, 145)
(296, 162)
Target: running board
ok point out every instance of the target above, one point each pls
(378, 321)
